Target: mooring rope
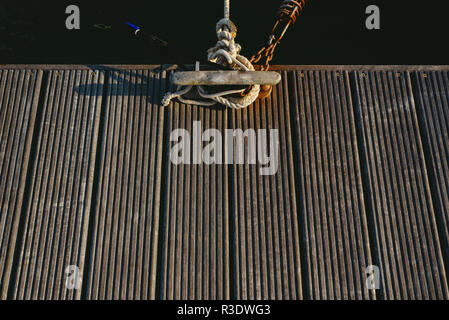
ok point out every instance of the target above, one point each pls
(227, 9)
(226, 53)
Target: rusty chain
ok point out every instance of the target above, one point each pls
(286, 16)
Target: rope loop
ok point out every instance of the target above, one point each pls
(226, 50)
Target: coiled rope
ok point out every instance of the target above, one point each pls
(226, 53)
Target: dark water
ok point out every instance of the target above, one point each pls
(327, 32)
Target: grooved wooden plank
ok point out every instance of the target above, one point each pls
(57, 213)
(432, 94)
(405, 230)
(267, 249)
(19, 95)
(335, 228)
(227, 231)
(126, 222)
(195, 250)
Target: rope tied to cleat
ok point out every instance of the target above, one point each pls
(227, 54)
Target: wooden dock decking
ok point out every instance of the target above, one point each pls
(86, 180)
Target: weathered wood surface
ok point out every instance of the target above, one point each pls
(195, 256)
(432, 106)
(264, 209)
(19, 94)
(56, 215)
(398, 188)
(86, 180)
(125, 216)
(332, 209)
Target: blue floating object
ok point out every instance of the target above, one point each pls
(133, 26)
